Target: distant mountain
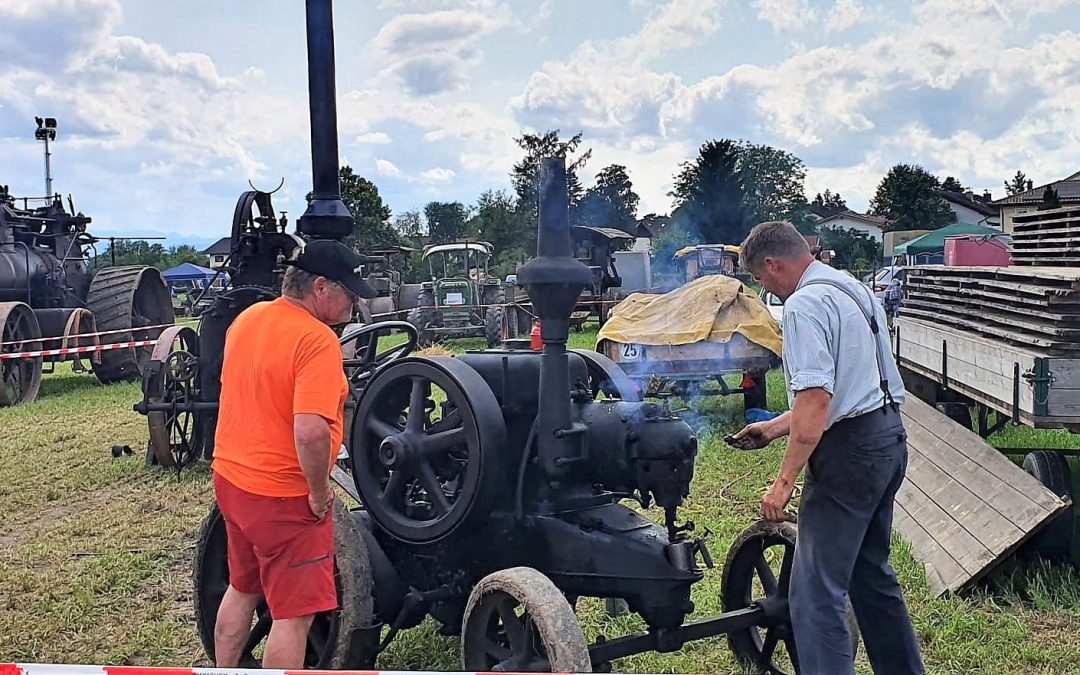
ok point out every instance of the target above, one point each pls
(171, 238)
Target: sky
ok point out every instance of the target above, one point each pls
(167, 110)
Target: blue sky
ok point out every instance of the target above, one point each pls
(167, 109)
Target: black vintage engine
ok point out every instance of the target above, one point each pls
(49, 295)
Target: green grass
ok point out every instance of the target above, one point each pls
(96, 552)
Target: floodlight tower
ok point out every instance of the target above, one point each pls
(46, 131)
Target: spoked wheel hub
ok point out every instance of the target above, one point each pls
(425, 445)
(172, 379)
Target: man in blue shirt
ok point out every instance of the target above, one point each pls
(844, 426)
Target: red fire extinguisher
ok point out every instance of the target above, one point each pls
(535, 342)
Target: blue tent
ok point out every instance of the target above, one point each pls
(188, 272)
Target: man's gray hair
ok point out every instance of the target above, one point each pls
(297, 283)
(774, 239)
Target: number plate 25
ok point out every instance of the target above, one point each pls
(629, 352)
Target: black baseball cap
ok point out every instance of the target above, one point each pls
(337, 262)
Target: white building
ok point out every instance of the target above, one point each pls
(874, 226)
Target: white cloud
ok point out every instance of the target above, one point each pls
(385, 167)
(438, 175)
(800, 16)
(375, 138)
(845, 14)
(433, 53)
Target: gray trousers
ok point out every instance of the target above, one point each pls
(842, 551)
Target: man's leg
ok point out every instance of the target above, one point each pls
(825, 553)
(891, 643)
(233, 626)
(287, 644)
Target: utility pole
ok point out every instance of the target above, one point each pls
(46, 131)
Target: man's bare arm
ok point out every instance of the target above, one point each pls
(807, 420)
(311, 433)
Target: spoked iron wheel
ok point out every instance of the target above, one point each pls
(335, 641)
(426, 441)
(517, 620)
(172, 376)
(758, 571)
(20, 378)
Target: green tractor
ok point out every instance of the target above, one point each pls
(462, 299)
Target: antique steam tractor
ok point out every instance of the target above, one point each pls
(491, 489)
(52, 298)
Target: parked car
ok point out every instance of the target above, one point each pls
(883, 277)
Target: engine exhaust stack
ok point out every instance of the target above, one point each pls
(326, 216)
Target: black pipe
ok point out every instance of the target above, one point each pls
(326, 216)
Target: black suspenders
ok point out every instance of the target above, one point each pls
(871, 319)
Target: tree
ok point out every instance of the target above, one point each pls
(498, 220)
(1050, 199)
(910, 198)
(855, 250)
(664, 248)
(709, 195)
(526, 174)
(830, 200)
(1019, 183)
(772, 182)
(409, 226)
(446, 222)
(372, 217)
(950, 184)
(612, 202)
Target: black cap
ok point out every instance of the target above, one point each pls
(337, 262)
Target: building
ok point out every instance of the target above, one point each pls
(819, 212)
(1068, 191)
(968, 207)
(218, 253)
(874, 226)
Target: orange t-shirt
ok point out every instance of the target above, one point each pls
(279, 361)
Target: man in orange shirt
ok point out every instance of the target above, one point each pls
(280, 422)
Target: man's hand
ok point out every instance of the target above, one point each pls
(320, 504)
(776, 499)
(752, 437)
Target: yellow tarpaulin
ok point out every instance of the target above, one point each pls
(709, 308)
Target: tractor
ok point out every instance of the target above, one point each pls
(384, 271)
(52, 298)
(463, 298)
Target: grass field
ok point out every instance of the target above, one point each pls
(96, 552)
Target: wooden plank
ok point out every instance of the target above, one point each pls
(1011, 335)
(1044, 274)
(1063, 304)
(943, 573)
(1005, 307)
(963, 507)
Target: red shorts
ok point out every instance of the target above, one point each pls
(279, 549)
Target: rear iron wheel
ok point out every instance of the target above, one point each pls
(334, 642)
(135, 301)
(20, 378)
(758, 572)
(517, 620)
(426, 445)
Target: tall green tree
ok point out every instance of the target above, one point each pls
(773, 182)
(1050, 199)
(910, 198)
(709, 195)
(612, 202)
(446, 222)
(409, 226)
(855, 250)
(829, 199)
(1017, 184)
(525, 176)
(951, 184)
(372, 226)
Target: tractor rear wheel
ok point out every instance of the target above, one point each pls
(130, 300)
(20, 378)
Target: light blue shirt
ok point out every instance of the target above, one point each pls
(828, 345)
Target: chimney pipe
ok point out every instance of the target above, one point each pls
(326, 216)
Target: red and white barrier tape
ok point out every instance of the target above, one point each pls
(81, 336)
(54, 669)
(76, 350)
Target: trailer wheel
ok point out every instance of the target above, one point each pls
(1054, 541)
(758, 568)
(338, 639)
(517, 620)
(20, 379)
